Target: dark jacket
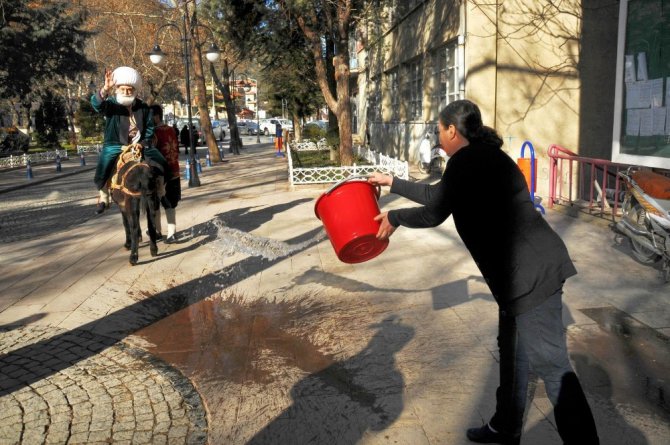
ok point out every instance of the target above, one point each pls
(521, 258)
(117, 120)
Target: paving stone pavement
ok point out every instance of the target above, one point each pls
(109, 392)
(249, 330)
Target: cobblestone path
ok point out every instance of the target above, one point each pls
(77, 387)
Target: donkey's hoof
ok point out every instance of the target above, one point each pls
(153, 250)
(127, 245)
(133, 260)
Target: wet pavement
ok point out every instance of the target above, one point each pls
(250, 331)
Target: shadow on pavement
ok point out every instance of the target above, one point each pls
(338, 404)
(36, 222)
(612, 426)
(316, 275)
(28, 364)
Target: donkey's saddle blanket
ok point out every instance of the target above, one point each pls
(131, 155)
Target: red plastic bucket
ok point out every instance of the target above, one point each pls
(347, 211)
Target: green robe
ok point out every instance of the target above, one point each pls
(117, 126)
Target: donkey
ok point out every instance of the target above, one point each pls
(134, 188)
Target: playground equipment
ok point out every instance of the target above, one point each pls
(529, 169)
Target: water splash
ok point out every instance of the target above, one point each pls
(231, 241)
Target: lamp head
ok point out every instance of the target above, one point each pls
(213, 53)
(156, 55)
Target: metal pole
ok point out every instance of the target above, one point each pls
(258, 109)
(215, 115)
(193, 180)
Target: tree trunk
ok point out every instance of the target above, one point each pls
(340, 103)
(16, 117)
(70, 117)
(330, 76)
(343, 111)
(27, 122)
(297, 128)
(201, 94)
(235, 140)
(155, 90)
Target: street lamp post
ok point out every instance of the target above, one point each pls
(157, 55)
(258, 114)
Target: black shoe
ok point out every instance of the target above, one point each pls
(101, 207)
(484, 434)
(171, 239)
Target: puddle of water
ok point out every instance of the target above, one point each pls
(231, 241)
(634, 358)
(227, 339)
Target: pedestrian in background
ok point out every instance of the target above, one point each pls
(524, 262)
(194, 136)
(184, 138)
(165, 141)
(127, 121)
(279, 143)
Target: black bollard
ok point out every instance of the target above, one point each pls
(59, 168)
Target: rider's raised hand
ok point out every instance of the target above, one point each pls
(109, 82)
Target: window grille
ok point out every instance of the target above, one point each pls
(414, 88)
(448, 72)
(394, 91)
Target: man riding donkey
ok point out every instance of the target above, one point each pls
(128, 125)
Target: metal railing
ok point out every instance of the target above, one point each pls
(589, 183)
(310, 145)
(95, 148)
(324, 175)
(12, 161)
(35, 158)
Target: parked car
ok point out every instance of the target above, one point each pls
(318, 124)
(247, 127)
(219, 128)
(268, 125)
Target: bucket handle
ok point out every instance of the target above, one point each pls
(362, 178)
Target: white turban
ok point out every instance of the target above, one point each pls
(125, 75)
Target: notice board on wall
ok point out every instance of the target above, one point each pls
(642, 97)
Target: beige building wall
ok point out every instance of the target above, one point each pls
(478, 24)
(538, 86)
(537, 72)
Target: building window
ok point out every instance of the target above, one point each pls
(392, 88)
(448, 72)
(413, 88)
(397, 9)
